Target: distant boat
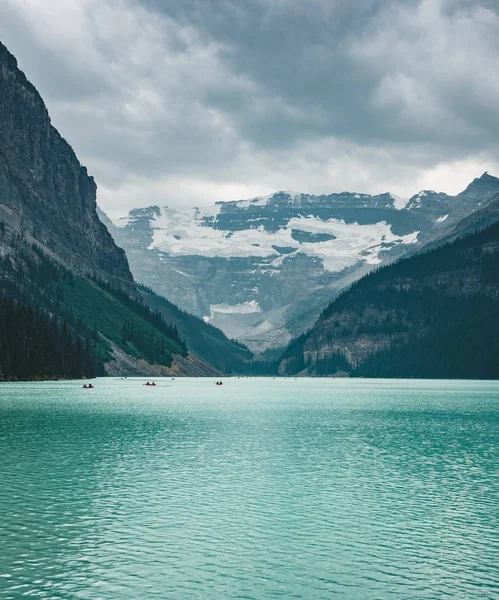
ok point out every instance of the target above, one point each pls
(150, 384)
(87, 386)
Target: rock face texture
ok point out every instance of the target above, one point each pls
(46, 195)
(263, 269)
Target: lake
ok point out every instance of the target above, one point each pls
(261, 488)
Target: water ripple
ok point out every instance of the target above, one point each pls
(263, 489)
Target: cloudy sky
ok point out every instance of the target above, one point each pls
(185, 102)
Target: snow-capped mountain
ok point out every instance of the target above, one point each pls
(262, 269)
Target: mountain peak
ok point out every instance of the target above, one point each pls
(487, 177)
(8, 55)
(60, 214)
(482, 188)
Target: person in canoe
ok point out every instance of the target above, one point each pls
(150, 384)
(219, 383)
(88, 386)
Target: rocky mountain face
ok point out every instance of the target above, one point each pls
(263, 269)
(479, 219)
(59, 261)
(433, 314)
(46, 195)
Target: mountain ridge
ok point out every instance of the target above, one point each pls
(262, 269)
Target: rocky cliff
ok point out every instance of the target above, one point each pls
(46, 195)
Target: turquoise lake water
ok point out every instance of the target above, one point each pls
(261, 488)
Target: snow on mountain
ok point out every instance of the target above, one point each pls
(237, 309)
(262, 269)
(399, 202)
(416, 201)
(184, 234)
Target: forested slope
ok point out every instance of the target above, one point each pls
(93, 311)
(34, 345)
(207, 341)
(435, 314)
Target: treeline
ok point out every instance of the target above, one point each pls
(151, 346)
(34, 345)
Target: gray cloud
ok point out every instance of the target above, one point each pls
(187, 102)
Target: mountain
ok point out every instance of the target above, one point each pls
(60, 269)
(479, 219)
(45, 192)
(433, 314)
(209, 342)
(263, 269)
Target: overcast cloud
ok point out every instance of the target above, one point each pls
(185, 102)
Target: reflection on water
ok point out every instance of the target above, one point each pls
(257, 489)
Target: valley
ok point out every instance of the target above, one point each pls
(344, 284)
(263, 269)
